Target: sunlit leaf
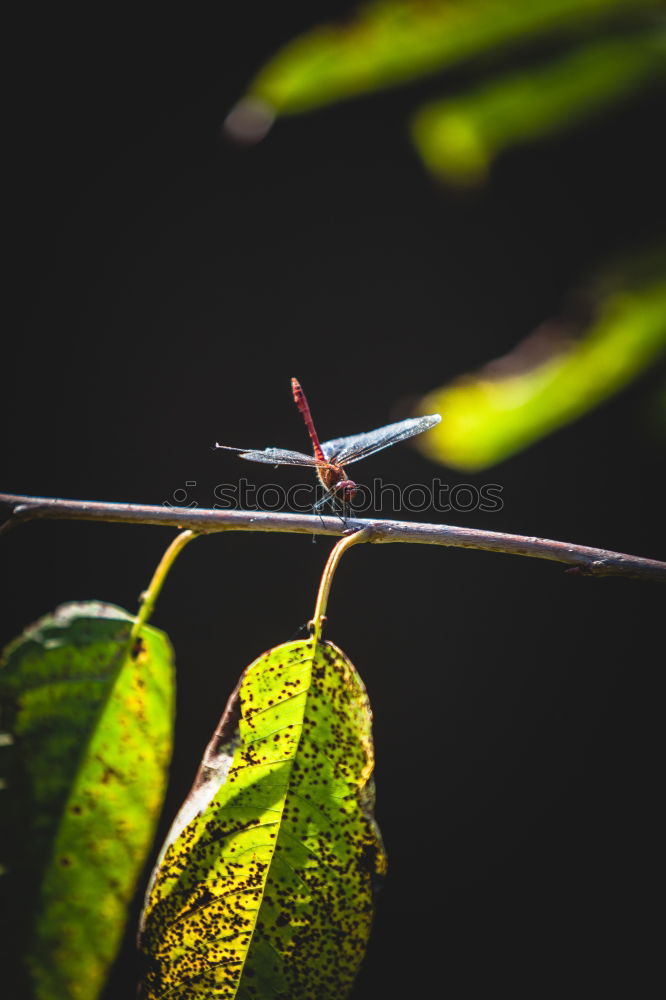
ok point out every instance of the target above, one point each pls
(458, 138)
(547, 381)
(391, 41)
(264, 886)
(90, 721)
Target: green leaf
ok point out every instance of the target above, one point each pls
(550, 379)
(393, 41)
(90, 718)
(264, 886)
(459, 137)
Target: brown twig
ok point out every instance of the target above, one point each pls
(581, 558)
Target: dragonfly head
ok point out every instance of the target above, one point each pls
(346, 489)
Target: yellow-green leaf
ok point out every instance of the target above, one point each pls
(495, 412)
(458, 138)
(89, 716)
(392, 41)
(265, 883)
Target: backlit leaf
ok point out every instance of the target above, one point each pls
(392, 41)
(90, 721)
(458, 138)
(264, 886)
(499, 410)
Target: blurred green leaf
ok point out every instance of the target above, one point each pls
(458, 138)
(90, 718)
(264, 885)
(549, 380)
(392, 41)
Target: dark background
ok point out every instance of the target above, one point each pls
(162, 289)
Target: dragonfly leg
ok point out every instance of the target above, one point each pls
(329, 496)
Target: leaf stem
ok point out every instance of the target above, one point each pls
(152, 591)
(319, 617)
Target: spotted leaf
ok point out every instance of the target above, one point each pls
(264, 888)
(89, 718)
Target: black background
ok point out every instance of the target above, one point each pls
(163, 287)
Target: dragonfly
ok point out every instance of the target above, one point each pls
(330, 458)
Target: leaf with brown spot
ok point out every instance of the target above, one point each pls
(264, 888)
(89, 721)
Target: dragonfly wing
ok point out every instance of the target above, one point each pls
(279, 456)
(345, 450)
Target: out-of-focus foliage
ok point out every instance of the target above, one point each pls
(578, 58)
(458, 138)
(552, 377)
(88, 713)
(392, 41)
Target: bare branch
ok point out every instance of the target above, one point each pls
(582, 559)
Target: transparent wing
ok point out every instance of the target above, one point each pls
(273, 456)
(345, 450)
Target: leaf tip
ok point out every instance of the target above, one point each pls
(249, 121)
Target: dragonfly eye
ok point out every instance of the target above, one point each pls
(347, 490)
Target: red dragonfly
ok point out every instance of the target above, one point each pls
(330, 457)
